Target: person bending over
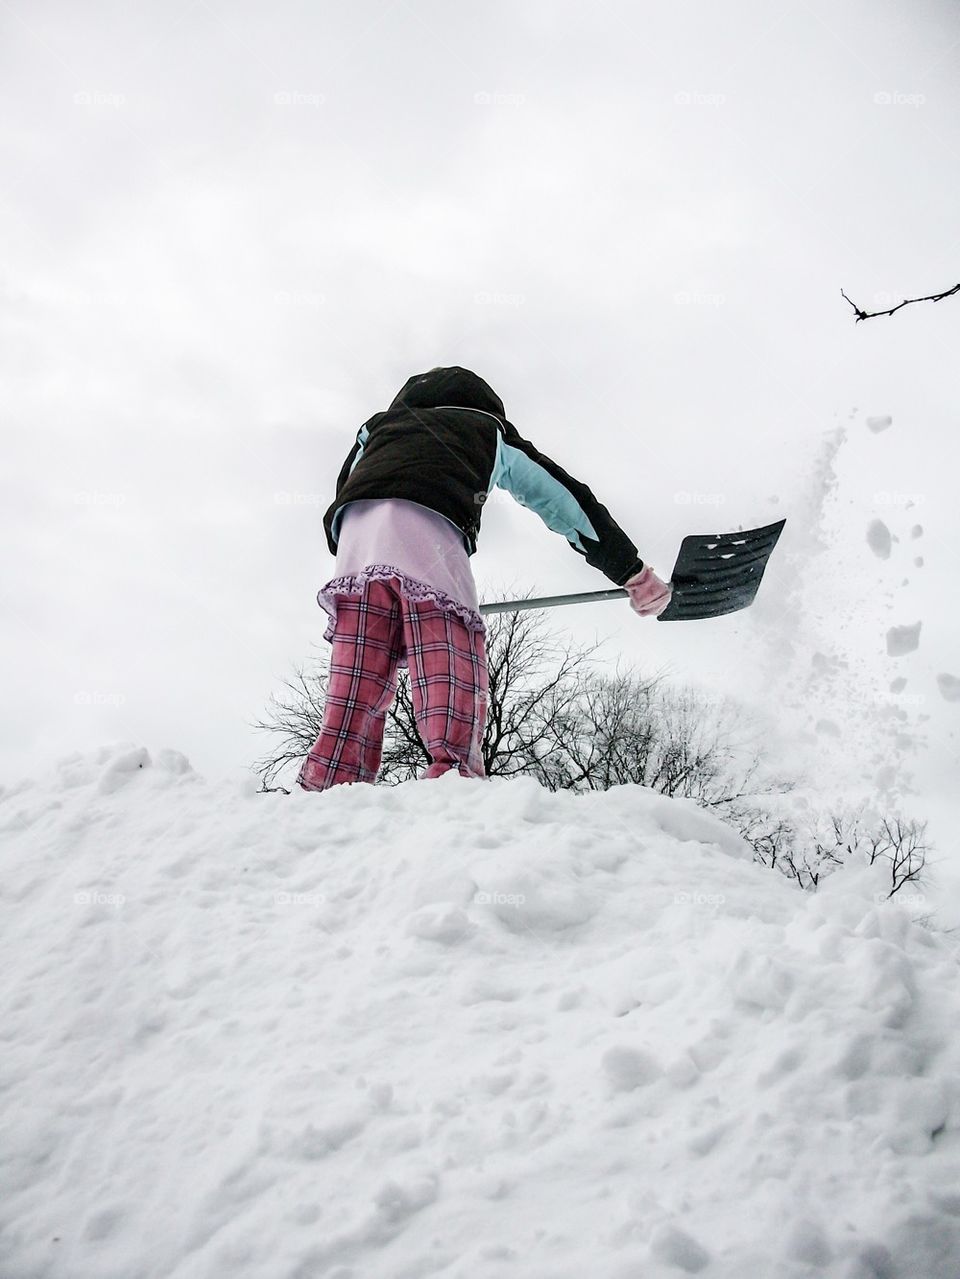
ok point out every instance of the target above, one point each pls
(403, 524)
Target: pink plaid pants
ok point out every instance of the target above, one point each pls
(448, 685)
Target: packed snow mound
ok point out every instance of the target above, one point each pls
(455, 1028)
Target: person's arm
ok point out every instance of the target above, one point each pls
(566, 506)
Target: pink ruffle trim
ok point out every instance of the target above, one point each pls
(410, 588)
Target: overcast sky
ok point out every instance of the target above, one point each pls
(231, 231)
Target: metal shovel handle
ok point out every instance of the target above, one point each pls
(548, 601)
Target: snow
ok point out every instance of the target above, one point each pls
(877, 424)
(949, 686)
(456, 1028)
(878, 539)
(903, 639)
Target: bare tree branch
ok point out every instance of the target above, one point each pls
(869, 315)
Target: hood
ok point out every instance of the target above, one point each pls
(454, 386)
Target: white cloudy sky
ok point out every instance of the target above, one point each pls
(231, 231)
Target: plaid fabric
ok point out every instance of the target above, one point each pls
(448, 685)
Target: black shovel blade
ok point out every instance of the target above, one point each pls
(719, 573)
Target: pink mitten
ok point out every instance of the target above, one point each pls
(648, 595)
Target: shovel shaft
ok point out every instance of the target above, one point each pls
(549, 601)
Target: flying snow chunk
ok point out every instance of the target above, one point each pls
(903, 639)
(949, 686)
(885, 778)
(878, 539)
(877, 424)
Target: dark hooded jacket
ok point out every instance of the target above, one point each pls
(445, 443)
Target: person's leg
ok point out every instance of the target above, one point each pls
(362, 684)
(448, 686)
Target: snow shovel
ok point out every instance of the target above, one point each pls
(715, 573)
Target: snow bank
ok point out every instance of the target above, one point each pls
(455, 1028)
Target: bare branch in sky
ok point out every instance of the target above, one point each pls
(931, 297)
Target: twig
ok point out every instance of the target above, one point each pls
(931, 297)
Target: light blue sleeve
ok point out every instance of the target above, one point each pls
(539, 491)
(362, 436)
